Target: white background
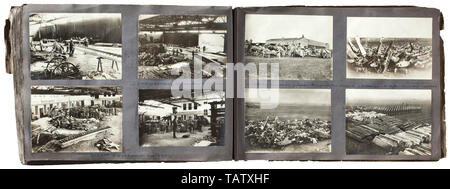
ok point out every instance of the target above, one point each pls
(9, 157)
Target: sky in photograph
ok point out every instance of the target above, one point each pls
(381, 96)
(389, 27)
(291, 96)
(260, 27)
(145, 16)
(46, 19)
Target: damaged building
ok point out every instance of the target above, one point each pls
(43, 104)
(302, 42)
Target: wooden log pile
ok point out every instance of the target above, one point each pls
(410, 140)
(389, 133)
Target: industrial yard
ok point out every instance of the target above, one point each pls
(76, 46)
(166, 120)
(398, 124)
(176, 42)
(295, 125)
(76, 119)
(302, 53)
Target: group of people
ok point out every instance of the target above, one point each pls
(60, 46)
(280, 50)
(177, 124)
(396, 57)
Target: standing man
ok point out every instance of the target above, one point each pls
(198, 123)
(174, 122)
(190, 124)
(41, 45)
(71, 48)
(86, 42)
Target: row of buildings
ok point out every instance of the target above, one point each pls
(302, 41)
(42, 104)
(185, 108)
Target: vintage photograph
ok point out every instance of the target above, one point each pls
(81, 46)
(389, 48)
(167, 120)
(300, 123)
(168, 42)
(301, 45)
(388, 121)
(76, 119)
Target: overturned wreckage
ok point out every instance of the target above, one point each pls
(292, 50)
(67, 127)
(278, 134)
(398, 57)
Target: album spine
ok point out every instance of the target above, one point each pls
(442, 87)
(237, 18)
(14, 65)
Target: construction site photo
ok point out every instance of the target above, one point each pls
(300, 123)
(301, 45)
(76, 119)
(81, 46)
(388, 121)
(175, 42)
(167, 120)
(389, 48)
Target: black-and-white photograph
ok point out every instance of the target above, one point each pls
(300, 123)
(388, 121)
(389, 48)
(81, 46)
(168, 42)
(301, 45)
(76, 119)
(167, 120)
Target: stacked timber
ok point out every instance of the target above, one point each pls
(387, 124)
(392, 135)
(401, 141)
(362, 133)
(423, 149)
(395, 109)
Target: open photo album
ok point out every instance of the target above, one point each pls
(138, 83)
